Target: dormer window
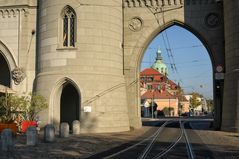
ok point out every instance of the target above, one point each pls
(69, 27)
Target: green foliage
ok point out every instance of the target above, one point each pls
(194, 102)
(28, 106)
(37, 104)
(10, 105)
(167, 110)
(210, 105)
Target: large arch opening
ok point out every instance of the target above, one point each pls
(175, 67)
(69, 104)
(5, 75)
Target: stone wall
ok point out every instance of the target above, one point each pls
(17, 21)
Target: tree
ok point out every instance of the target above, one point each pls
(35, 104)
(194, 101)
(29, 106)
(210, 104)
(10, 105)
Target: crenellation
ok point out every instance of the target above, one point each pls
(152, 3)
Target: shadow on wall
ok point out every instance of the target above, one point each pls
(87, 123)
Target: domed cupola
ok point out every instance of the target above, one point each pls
(159, 64)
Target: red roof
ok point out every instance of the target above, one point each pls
(157, 95)
(152, 72)
(149, 71)
(182, 98)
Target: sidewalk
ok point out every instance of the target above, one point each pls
(224, 145)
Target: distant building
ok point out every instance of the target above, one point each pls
(155, 85)
(200, 108)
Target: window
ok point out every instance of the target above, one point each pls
(69, 27)
(150, 87)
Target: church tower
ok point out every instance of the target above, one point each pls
(159, 64)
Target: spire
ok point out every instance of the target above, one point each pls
(159, 64)
(159, 57)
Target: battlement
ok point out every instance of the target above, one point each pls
(162, 3)
(146, 3)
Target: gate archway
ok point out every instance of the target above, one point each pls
(5, 75)
(143, 20)
(7, 63)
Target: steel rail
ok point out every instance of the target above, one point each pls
(149, 146)
(133, 146)
(188, 145)
(172, 145)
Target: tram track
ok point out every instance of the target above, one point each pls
(154, 147)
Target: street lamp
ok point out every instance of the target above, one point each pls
(169, 113)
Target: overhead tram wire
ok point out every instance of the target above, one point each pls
(169, 53)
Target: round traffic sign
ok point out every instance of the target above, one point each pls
(219, 68)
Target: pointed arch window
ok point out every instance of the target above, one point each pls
(69, 27)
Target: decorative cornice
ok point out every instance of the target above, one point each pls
(152, 3)
(163, 3)
(12, 12)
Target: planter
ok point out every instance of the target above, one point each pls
(26, 124)
(12, 126)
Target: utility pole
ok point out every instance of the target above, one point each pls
(152, 102)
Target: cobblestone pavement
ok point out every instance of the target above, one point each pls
(222, 144)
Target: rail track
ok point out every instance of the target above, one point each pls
(156, 147)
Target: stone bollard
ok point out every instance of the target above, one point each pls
(64, 130)
(49, 133)
(76, 127)
(32, 136)
(7, 140)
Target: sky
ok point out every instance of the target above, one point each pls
(193, 65)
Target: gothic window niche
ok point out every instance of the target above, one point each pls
(68, 28)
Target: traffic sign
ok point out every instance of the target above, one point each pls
(219, 68)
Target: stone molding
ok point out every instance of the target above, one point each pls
(162, 3)
(13, 12)
(151, 3)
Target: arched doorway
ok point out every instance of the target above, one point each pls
(69, 104)
(5, 75)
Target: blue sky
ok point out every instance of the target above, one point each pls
(193, 65)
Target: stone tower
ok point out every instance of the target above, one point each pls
(230, 116)
(159, 64)
(80, 64)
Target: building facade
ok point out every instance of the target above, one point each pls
(156, 87)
